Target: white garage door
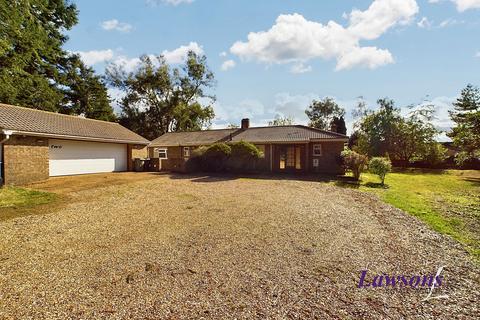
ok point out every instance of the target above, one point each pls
(69, 157)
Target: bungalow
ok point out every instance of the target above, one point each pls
(35, 145)
(293, 148)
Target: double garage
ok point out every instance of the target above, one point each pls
(36, 145)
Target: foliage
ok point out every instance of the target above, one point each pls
(35, 71)
(321, 113)
(387, 131)
(354, 162)
(380, 166)
(86, 92)
(338, 125)
(237, 157)
(244, 156)
(281, 121)
(159, 99)
(466, 115)
(435, 154)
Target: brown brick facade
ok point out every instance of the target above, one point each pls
(25, 160)
(135, 152)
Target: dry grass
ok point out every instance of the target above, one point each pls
(180, 247)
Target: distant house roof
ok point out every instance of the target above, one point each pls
(49, 124)
(294, 133)
(193, 138)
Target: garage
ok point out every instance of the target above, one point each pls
(36, 145)
(67, 157)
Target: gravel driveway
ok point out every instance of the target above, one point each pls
(202, 247)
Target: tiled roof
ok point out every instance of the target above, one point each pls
(45, 123)
(296, 133)
(194, 138)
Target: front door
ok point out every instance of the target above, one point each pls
(290, 158)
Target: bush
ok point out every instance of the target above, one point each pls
(354, 162)
(215, 157)
(244, 156)
(380, 166)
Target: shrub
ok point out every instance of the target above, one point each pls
(244, 156)
(354, 162)
(380, 166)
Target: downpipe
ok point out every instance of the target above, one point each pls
(7, 134)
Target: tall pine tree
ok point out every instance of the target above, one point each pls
(35, 71)
(466, 115)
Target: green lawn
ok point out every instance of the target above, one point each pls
(448, 201)
(18, 201)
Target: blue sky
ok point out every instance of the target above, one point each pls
(273, 57)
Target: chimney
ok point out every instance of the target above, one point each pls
(245, 123)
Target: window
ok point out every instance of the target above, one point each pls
(186, 152)
(317, 150)
(162, 153)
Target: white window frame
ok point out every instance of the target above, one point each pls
(317, 150)
(163, 150)
(186, 152)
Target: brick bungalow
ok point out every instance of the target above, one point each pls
(36, 145)
(294, 148)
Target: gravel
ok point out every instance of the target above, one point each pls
(217, 247)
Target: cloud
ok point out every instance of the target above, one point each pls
(462, 5)
(299, 68)
(229, 64)
(169, 2)
(477, 55)
(296, 40)
(178, 55)
(449, 22)
(223, 54)
(424, 23)
(93, 57)
(114, 24)
(175, 56)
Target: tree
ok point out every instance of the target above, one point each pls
(35, 71)
(466, 115)
(86, 93)
(31, 53)
(280, 121)
(380, 166)
(159, 99)
(386, 131)
(321, 113)
(378, 130)
(339, 126)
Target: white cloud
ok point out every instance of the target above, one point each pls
(169, 2)
(424, 23)
(114, 24)
(93, 57)
(293, 39)
(229, 64)
(223, 54)
(449, 22)
(477, 55)
(462, 5)
(178, 55)
(129, 64)
(300, 67)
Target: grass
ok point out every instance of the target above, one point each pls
(16, 202)
(448, 201)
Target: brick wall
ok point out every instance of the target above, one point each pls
(328, 162)
(25, 160)
(135, 152)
